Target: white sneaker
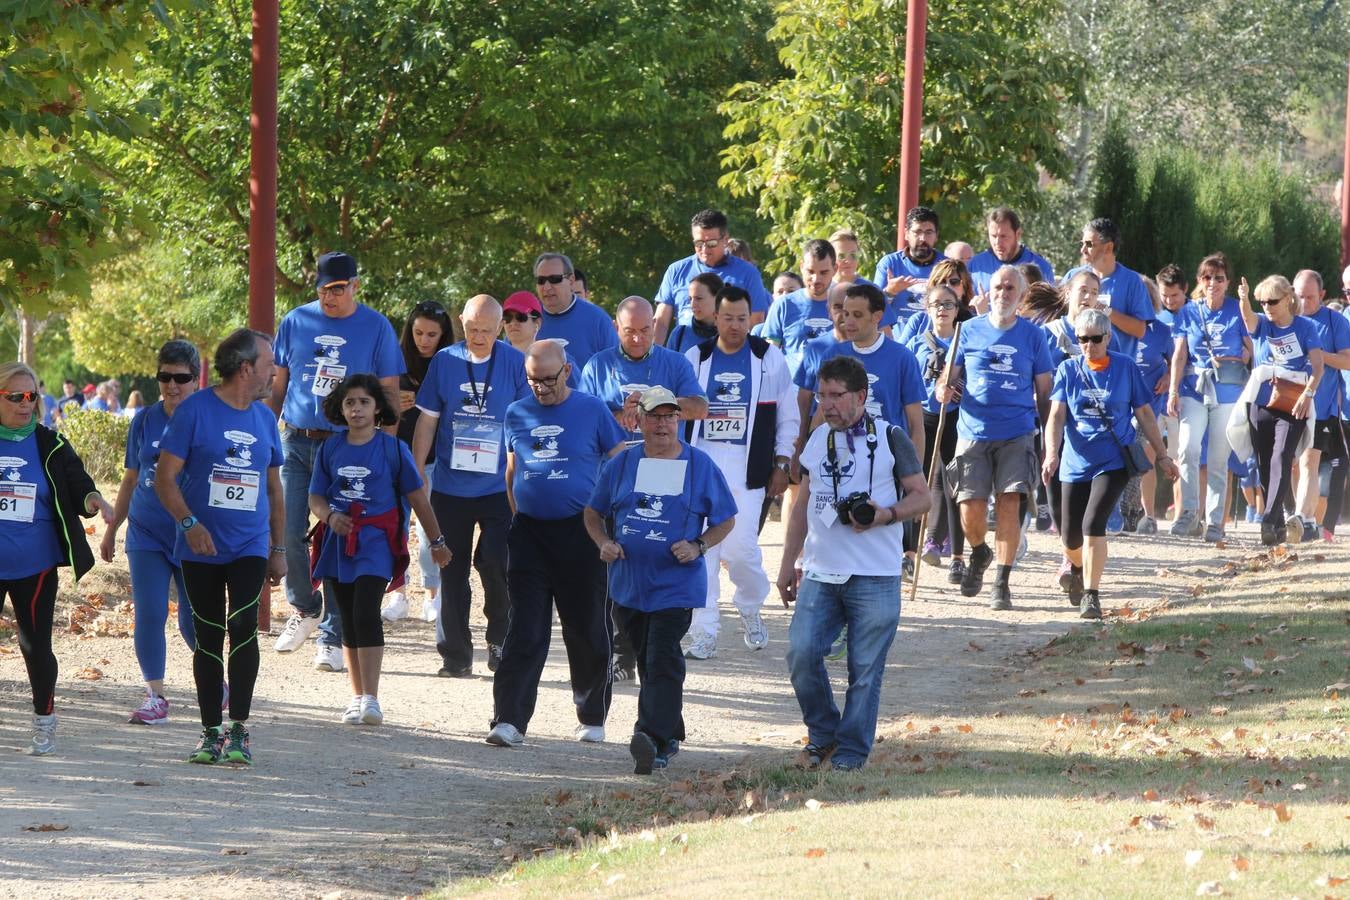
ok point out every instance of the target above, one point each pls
(44, 735)
(352, 714)
(297, 631)
(504, 734)
(371, 714)
(756, 635)
(431, 607)
(329, 659)
(590, 734)
(396, 608)
(703, 646)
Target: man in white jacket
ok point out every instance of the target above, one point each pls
(749, 431)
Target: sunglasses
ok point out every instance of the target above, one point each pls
(175, 377)
(706, 245)
(518, 317)
(1269, 303)
(549, 279)
(20, 396)
(1213, 277)
(1090, 338)
(429, 308)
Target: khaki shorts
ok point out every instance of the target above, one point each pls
(982, 468)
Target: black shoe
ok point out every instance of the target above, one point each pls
(1002, 597)
(643, 749)
(980, 558)
(494, 657)
(1043, 519)
(957, 572)
(1310, 532)
(1092, 607)
(1075, 588)
(447, 672)
(1272, 533)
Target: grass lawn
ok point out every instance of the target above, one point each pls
(1192, 748)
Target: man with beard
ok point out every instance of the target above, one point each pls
(903, 275)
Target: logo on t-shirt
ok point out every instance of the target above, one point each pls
(841, 468)
(655, 535)
(556, 475)
(729, 386)
(12, 464)
(1004, 354)
(546, 441)
(814, 328)
(1104, 299)
(238, 453)
(352, 482)
(475, 397)
(650, 506)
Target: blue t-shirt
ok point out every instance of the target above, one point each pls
(1122, 291)
(893, 378)
(674, 290)
(919, 346)
(611, 375)
(905, 303)
(1345, 379)
(1090, 447)
(48, 407)
(378, 475)
(795, 319)
(470, 401)
(558, 450)
(1151, 354)
(29, 529)
(1334, 333)
(149, 525)
(583, 329)
(682, 337)
(814, 352)
(729, 390)
(1225, 331)
(319, 351)
(226, 454)
(653, 504)
(982, 267)
(1286, 347)
(999, 402)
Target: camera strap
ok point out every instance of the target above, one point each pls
(832, 455)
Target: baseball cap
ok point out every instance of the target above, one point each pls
(335, 267)
(653, 399)
(522, 302)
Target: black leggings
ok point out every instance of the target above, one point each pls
(1275, 437)
(358, 603)
(34, 600)
(947, 518)
(1088, 504)
(208, 584)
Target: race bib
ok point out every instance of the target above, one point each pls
(1285, 348)
(17, 501)
(724, 423)
(326, 378)
(235, 489)
(477, 446)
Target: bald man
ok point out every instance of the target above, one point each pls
(463, 400)
(959, 250)
(556, 440)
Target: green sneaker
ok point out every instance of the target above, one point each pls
(209, 747)
(840, 648)
(236, 747)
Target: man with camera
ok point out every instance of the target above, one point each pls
(860, 476)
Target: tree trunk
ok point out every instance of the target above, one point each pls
(27, 333)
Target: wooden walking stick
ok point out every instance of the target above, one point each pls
(934, 463)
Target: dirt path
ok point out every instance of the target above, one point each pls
(399, 809)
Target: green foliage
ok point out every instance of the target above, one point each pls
(100, 438)
(1178, 205)
(818, 147)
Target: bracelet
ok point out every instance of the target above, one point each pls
(439, 542)
(329, 517)
(278, 549)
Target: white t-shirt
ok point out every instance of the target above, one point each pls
(833, 548)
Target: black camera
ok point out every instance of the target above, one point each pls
(856, 507)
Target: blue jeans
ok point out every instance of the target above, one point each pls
(297, 467)
(870, 606)
(151, 572)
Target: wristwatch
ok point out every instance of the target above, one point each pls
(784, 466)
(702, 547)
(187, 522)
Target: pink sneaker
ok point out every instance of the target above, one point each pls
(1328, 537)
(154, 711)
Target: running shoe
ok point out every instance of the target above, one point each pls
(1147, 525)
(701, 646)
(907, 568)
(840, 648)
(1092, 606)
(1293, 529)
(396, 608)
(1065, 575)
(1075, 588)
(1001, 597)
(980, 558)
(1043, 518)
(1311, 532)
(813, 756)
(352, 714)
(297, 631)
(236, 746)
(494, 657)
(1213, 534)
(43, 740)
(621, 670)
(431, 606)
(371, 714)
(153, 710)
(328, 658)
(209, 748)
(756, 635)
(932, 553)
(643, 750)
(589, 734)
(504, 734)
(956, 572)
(1185, 523)
(1328, 536)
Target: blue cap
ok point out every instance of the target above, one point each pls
(335, 267)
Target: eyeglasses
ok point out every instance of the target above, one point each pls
(954, 281)
(518, 317)
(1091, 338)
(942, 304)
(850, 256)
(706, 245)
(663, 417)
(549, 279)
(20, 396)
(550, 381)
(1086, 245)
(332, 288)
(175, 377)
(429, 308)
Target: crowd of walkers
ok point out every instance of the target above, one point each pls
(611, 467)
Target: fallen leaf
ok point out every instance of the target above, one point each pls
(47, 827)
(965, 729)
(976, 647)
(1331, 881)
(1283, 813)
(1151, 795)
(1204, 823)
(815, 853)
(89, 673)
(1240, 863)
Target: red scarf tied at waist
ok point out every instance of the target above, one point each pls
(390, 522)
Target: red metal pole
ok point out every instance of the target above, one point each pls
(1345, 182)
(262, 193)
(911, 119)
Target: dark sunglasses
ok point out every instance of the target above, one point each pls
(20, 396)
(429, 308)
(1268, 303)
(518, 317)
(175, 377)
(550, 279)
(1090, 338)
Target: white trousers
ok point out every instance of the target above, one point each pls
(739, 551)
